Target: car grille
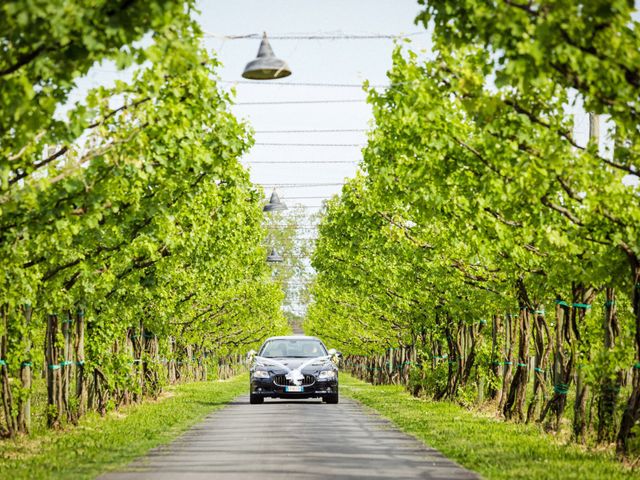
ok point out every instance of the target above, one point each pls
(281, 381)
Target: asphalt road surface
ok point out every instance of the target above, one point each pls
(304, 440)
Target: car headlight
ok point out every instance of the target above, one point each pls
(260, 374)
(327, 374)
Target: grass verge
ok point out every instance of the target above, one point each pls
(493, 448)
(99, 444)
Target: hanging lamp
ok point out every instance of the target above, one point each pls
(266, 66)
(274, 205)
(274, 257)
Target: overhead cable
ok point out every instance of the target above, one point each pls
(350, 162)
(296, 185)
(271, 144)
(293, 225)
(297, 228)
(319, 36)
(276, 83)
(304, 198)
(326, 130)
(306, 206)
(300, 102)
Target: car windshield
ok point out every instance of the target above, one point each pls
(299, 348)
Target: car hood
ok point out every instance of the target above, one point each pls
(294, 363)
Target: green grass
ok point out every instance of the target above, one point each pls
(99, 444)
(492, 447)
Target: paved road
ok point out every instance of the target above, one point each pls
(305, 440)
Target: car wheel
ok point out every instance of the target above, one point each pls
(255, 399)
(333, 398)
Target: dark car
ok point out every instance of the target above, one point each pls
(294, 367)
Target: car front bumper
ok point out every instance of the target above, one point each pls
(265, 387)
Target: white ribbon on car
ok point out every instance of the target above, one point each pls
(295, 375)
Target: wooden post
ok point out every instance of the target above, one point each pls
(563, 365)
(508, 362)
(54, 399)
(66, 366)
(496, 356)
(7, 398)
(171, 362)
(24, 410)
(81, 382)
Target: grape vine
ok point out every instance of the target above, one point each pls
(131, 236)
(483, 247)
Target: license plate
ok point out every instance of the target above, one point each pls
(294, 389)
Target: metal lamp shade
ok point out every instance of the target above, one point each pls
(274, 257)
(274, 205)
(266, 66)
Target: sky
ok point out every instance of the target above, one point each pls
(334, 155)
(336, 61)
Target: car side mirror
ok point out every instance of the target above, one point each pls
(251, 355)
(335, 355)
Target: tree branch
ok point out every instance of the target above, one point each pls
(562, 210)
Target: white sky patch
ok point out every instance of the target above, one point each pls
(102, 74)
